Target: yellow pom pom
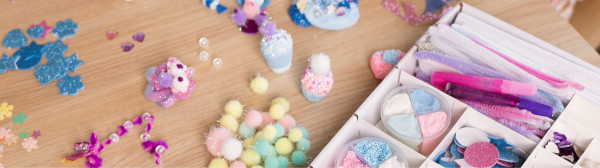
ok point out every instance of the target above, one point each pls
(259, 85)
(269, 132)
(283, 146)
(277, 111)
(283, 102)
(295, 135)
(257, 166)
(250, 158)
(234, 108)
(258, 135)
(229, 122)
(218, 163)
(248, 143)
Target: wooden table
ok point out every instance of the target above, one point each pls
(114, 80)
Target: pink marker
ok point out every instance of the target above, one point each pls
(483, 83)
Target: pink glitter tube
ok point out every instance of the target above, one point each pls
(485, 97)
(483, 83)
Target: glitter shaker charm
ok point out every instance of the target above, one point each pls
(169, 82)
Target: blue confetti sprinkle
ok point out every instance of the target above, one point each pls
(65, 29)
(434, 5)
(391, 57)
(374, 152)
(54, 50)
(499, 142)
(507, 155)
(74, 62)
(439, 156)
(15, 39)
(31, 56)
(455, 153)
(61, 62)
(35, 32)
(298, 18)
(7, 63)
(70, 85)
(46, 73)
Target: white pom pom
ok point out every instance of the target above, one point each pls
(320, 63)
(231, 149)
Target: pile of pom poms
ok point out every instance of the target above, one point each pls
(263, 139)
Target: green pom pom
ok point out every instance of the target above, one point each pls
(271, 152)
(273, 141)
(245, 131)
(271, 162)
(261, 146)
(298, 158)
(304, 132)
(283, 161)
(303, 145)
(280, 130)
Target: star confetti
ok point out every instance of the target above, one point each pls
(47, 29)
(7, 63)
(24, 134)
(411, 17)
(30, 56)
(65, 29)
(36, 134)
(19, 118)
(74, 62)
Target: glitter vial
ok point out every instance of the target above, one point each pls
(203, 42)
(217, 62)
(203, 56)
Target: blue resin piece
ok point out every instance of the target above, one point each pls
(374, 152)
(35, 32)
(391, 57)
(455, 153)
(298, 18)
(46, 73)
(331, 21)
(423, 101)
(406, 125)
(74, 62)
(65, 29)
(7, 63)
(500, 142)
(54, 50)
(70, 85)
(31, 56)
(15, 39)
(63, 63)
(434, 5)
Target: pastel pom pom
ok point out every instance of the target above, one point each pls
(165, 79)
(239, 18)
(250, 157)
(298, 158)
(280, 130)
(269, 132)
(270, 152)
(283, 146)
(259, 85)
(288, 122)
(258, 135)
(303, 145)
(304, 132)
(234, 108)
(261, 18)
(271, 162)
(277, 111)
(231, 149)
(320, 64)
(238, 164)
(266, 119)
(215, 138)
(248, 143)
(218, 163)
(228, 121)
(295, 135)
(268, 29)
(283, 161)
(246, 131)
(250, 10)
(253, 118)
(282, 101)
(257, 166)
(261, 146)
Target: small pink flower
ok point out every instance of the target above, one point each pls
(4, 132)
(10, 139)
(29, 144)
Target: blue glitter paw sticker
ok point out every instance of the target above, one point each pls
(70, 85)
(15, 39)
(65, 29)
(54, 50)
(35, 32)
(7, 63)
(74, 62)
(30, 56)
(46, 73)
(62, 63)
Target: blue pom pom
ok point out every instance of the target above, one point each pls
(271, 162)
(298, 158)
(261, 146)
(245, 131)
(283, 161)
(304, 132)
(280, 131)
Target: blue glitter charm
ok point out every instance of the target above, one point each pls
(7, 63)
(65, 29)
(30, 56)
(391, 56)
(298, 18)
(70, 85)
(74, 62)
(35, 32)
(374, 152)
(54, 50)
(46, 73)
(61, 62)
(14, 39)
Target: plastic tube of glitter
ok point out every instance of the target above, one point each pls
(483, 83)
(482, 96)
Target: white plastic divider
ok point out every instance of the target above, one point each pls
(592, 154)
(541, 157)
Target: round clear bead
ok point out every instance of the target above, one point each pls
(192, 70)
(217, 62)
(203, 55)
(128, 125)
(114, 137)
(146, 117)
(161, 150)
(203, 42)
(145, 137)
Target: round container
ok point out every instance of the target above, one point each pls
(414, 142)
(350, 147)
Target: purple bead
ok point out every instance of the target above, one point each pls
(180, 79)
(179, 66)
(165, 79)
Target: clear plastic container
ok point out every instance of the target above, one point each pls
(414, 142)
(350, 147)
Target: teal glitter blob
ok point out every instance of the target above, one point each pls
(7, 62)
(74, 62)
(245, 131)
(61, 62)
(455, 153)
(283, 161)
(271, 152)
(30, 56)
(303, 145)
(298, 158)
(47, 73)
(280, 131)
(261, 146)
(304, 132)
(271, 162)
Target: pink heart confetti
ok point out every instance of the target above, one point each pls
(481, 154)
(139, 37)
(112, 34)
(127, 47)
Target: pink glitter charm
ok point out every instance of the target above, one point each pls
(481, 154)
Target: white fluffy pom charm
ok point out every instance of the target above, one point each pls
(320, 63)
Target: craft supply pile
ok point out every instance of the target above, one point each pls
(371, 152)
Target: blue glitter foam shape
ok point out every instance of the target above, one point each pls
(74, 62)
(7, 63)
(35, 32)
(65, 29)
(46, 73)
(70, 85)
(507, 155)
(434, 5)
(439, 156)
(455, 153)
(15, 39)
(63, 65)
(31, 56)
(374, 152)
(54, 50)
(298, 18)
(499, 142)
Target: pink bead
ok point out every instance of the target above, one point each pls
(253, 119)
(238, 164)
(215, 138)
(266, 119)
(288, 122)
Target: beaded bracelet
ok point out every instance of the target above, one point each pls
(91, 150)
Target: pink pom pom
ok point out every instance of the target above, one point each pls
(239, 17)
(250, 9)
(238, 164)
(266, 119)
(268, 29)
(253, 118)
(261, 18)
(215, 138)
(288, 122)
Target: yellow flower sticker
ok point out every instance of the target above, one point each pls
(5, 110)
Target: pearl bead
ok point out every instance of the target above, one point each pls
(145, 137)
(114, 137)
(128, 125)
(161, 150)
(217, 62)
(203, 56)
(146, 117)
(81, 147)
(203, 42)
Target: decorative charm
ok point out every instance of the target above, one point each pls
(7, 62)
(111, 34)
(127, 47)
(47, 29)
(169, 82)
(24, 134)
(317, 79)
(330, 15)
(36, 134)
(214, 5)
(29, 144)
(139, 37)
(276, 47)
(249, 18)
(383, 62)
(14, 39)
(19, 119)
(35, 32)
(565, 148)
(54, 50)
(65, 29)
(29, 56)
(70, 85)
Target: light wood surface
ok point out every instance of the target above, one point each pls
(114, 80)
(586, 20)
